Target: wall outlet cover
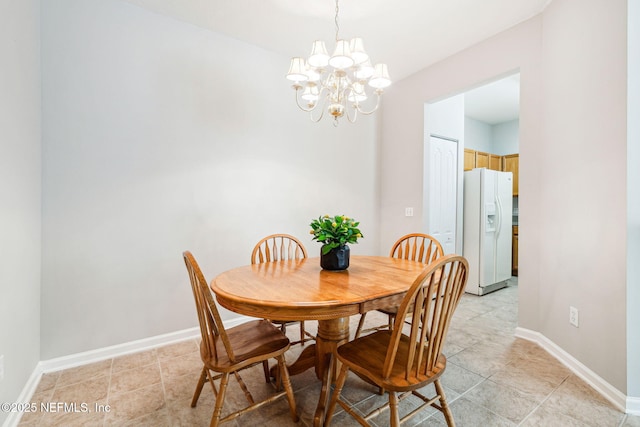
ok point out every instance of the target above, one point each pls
(573, 316)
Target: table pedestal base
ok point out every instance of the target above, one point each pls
(331, 334)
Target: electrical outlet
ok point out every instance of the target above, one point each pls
(408, 211)
(573, 316)
(1, 367)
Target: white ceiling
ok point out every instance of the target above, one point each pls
(495, 102)
(408, 35)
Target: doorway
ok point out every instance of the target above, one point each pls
(484, 119)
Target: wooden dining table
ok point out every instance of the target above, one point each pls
(302, 290)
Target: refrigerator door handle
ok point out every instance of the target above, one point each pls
(499, 217)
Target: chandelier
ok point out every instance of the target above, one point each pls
(337, 83)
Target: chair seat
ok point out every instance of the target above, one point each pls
(366, 356)
(258, 338)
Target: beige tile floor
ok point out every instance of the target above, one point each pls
(492, 379)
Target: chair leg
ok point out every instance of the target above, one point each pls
(278, 378)
(244, 388)
(360, 325)
(201, 381)
(302, 334)
(265, 368)
(286, 382)
(217, 411)
(393, 407)
(443, 403)
(336, 394)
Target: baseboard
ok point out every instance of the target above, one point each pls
(615, 396)
(25, 396)
(97, 355)
(633, 405)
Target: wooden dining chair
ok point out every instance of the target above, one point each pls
(228, 351)
(401, 364)
(281, 247)
(415, 247)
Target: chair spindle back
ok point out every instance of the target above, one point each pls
(278, 247)
(211, 326)
(431, 301)
(417, 247)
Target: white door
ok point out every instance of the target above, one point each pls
(442, 191)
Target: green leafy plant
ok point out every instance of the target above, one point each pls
(335, 231)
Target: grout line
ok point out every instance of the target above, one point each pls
(547, 397)
(104, 416)
(164, 390)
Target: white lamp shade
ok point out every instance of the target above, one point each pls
(297, 70)
(357, 93)
(341, 58)
(380, 78)
(357, 51)
(319, 56)
(364, 71)
(310, 93)
(312, 75)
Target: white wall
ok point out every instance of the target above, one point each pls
(478, 135)
(501, 138)
(505, 137)
(19, 194)
(633, 203)
(573, 106)
(159, 137)
(583, 255)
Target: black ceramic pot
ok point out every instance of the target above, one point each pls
(335, 259)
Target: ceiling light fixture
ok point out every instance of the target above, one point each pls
(337, 82)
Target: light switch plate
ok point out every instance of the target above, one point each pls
(573, 316)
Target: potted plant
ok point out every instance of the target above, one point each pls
(334, 232)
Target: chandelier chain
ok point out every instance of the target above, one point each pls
(336, 20)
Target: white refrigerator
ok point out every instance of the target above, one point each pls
(487, 230)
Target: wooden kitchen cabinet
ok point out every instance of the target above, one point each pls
(514, 252)
(479, 159)
(510, 164)
(469, 159)
(495, 162)
(482, 160)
